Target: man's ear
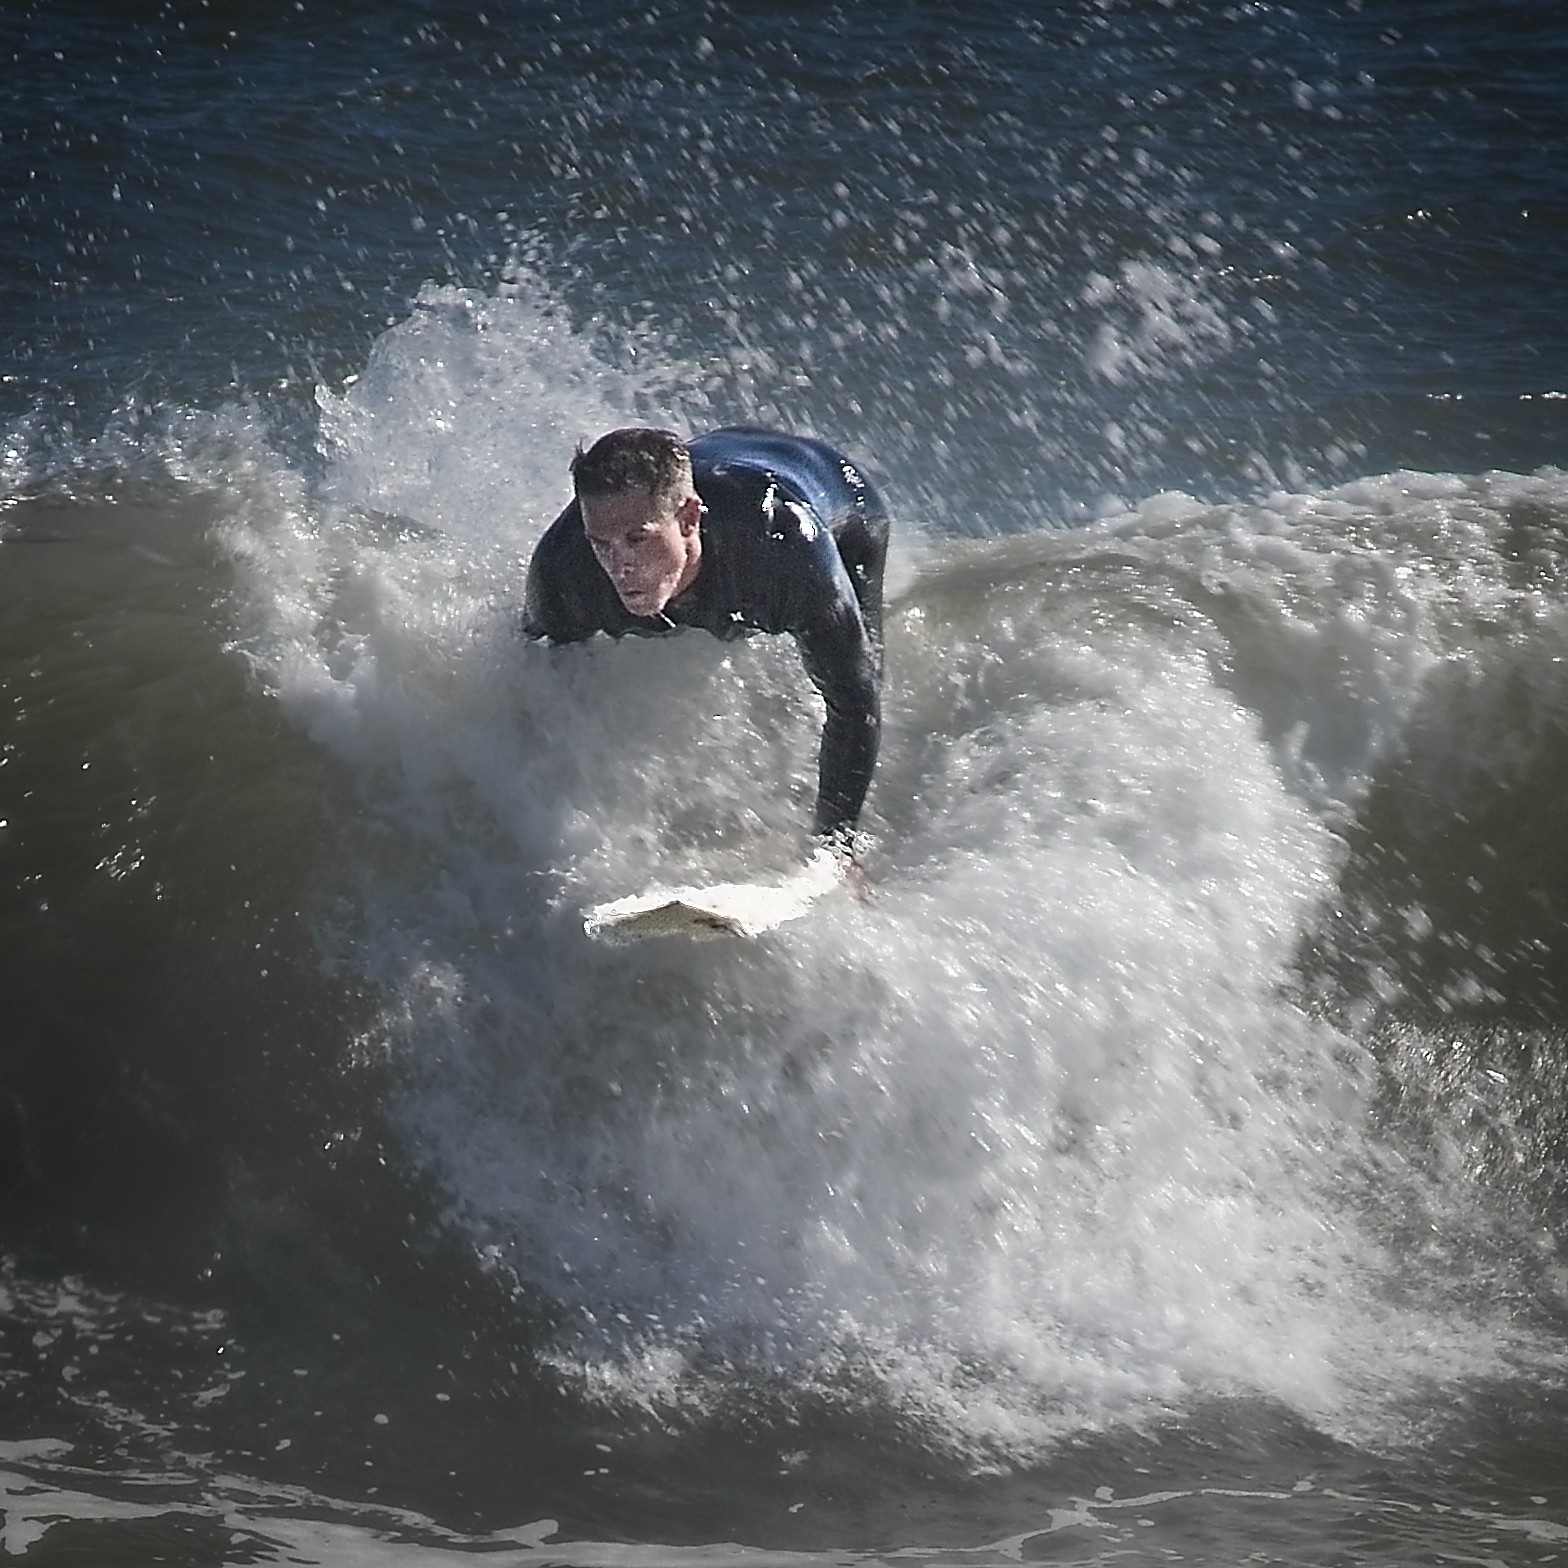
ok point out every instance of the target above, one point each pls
(690, 514)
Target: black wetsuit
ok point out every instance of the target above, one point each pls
(793, 540)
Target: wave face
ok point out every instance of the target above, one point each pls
(1058, 1128)
(1175, 1132)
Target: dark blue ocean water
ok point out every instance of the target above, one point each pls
(1166, 1164)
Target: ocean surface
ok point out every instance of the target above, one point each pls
(1167, 1163)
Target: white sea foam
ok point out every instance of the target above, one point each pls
(1037, 1139)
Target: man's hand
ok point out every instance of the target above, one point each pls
(843, 845)
(856, 880)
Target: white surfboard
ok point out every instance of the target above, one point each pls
(724, 909)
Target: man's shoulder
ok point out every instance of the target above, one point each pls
(562, 599)
(563, 535)
(759, 482)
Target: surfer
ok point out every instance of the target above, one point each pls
(735, 531)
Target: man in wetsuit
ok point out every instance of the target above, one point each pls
(736, 531)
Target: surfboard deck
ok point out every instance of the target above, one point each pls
(744, 909)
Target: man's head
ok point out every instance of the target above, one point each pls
(641, 514)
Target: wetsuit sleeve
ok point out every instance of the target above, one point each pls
(841, 660)
(815, 599)
(555, 605)
(543, 613)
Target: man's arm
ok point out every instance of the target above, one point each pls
(562, 598)
(841, 660)
(832, 607)
(544, 611)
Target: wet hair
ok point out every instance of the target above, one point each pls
(634, 458)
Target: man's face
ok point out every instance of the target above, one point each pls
(647, 545)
